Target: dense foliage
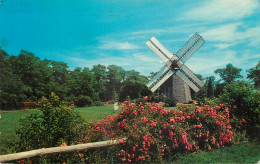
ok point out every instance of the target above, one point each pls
(247, 100)
(53, 124)
(26, 78)
(254, 75)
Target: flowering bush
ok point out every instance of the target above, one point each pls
(154, 133)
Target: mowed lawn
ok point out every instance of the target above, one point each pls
(10, 121)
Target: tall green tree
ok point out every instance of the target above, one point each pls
(81, 82)
(32, 71)
(58, 82)
(210, 93)
(100, 76)
(11, 86)
(254, 75)
(133, 86)
(229, 74)
(115, 75)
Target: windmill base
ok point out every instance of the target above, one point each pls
(175, 87)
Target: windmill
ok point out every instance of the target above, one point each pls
(175, 78)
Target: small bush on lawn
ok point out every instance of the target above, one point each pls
(170, 102)
(53, 124)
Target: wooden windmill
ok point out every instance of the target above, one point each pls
(175, 78)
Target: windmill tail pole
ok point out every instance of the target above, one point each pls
(53, 150)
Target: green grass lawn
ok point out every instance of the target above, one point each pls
(10, 120)
(96, 113)
(244, 153)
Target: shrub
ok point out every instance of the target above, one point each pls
(154, 133)
(98, 103)
(82, 101)
(170, 102)
(247, 102)
(53, 124)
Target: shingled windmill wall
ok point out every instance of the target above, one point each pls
(181, 91)
(175, 87)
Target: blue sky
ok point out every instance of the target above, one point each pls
(83, 33)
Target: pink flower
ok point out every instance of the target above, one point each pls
(134, 112)
(153, 124)
(135, 127)
(63, 144)
(172, 121)
(145, 120)
(146, 98)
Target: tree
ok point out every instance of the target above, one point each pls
(133, 86)
(81, 83)
(116, 76)
(12, 89)
(210, 88)
(229, 74)
(254, 75)
(100, 76)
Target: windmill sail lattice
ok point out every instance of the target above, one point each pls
(175, 65)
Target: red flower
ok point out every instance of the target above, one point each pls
(134, 112)
(243, 120)
(146, 98)
(153, 124)
(145, 120)
(135, 127)
(172, 121)
(63, 144)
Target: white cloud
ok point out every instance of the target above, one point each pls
(228, 35)
(223, 33)
(222, 10)
(223, 45)
(205, 64)
(145, 58)
(114, 45)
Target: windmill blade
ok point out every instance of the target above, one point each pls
(159, 78)
(192, 76)
(190, 47)
(153, 80)
(159, 49)
(161, 81)
(187, 80)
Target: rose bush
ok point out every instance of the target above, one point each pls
(154, 133)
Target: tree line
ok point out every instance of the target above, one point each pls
(229, 74)
(26, 78)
